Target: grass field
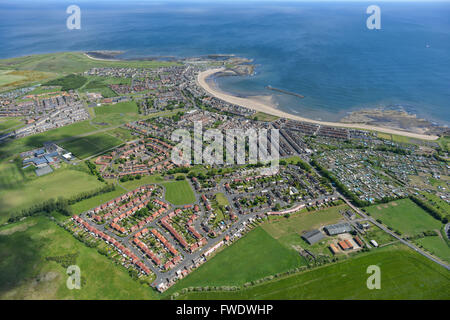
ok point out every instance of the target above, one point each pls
(179, 192)
(18, 192)
(90, 203)
(444, 142)
(26, 274)
(221, 199)
(133, 184)
(253, 257)
(405, 216)
(71, 62)
(283, 228)
(288, 231)
(261, 116)
(404, 275)
(436, 246)
(97, 84)
(393, 137)
(381, 237)
(7, 124)
(122, 134)
(90, 145)
(20, 145)
(116, 114)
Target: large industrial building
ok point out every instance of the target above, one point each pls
(334, 229)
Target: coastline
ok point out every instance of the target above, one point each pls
(257, 105)
(99, 59)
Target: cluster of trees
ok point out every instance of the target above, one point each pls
(130, 178)
(65, 260)
(70, 82)
(178, 170)
(94, 171)
(430, 209)
(177, 117)
(393, 149)
(61, 205)
(428, 233)
(305, 166)
(91, 194)
(339, 186)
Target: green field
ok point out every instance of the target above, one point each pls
(122, 134)
(116, 114)
(70, 82)
(393, 137)
(296, 224)
(26, 274)
(436, 246)
(91, 145)
(23, 144)
(405, 216)
(7, 124)
(444, 142)
(18, 192)
(133, 184)
(404, 275)
(377, 234)
(253, 257)
(99, 85)
(71, 62)
(261, 116)
(179, 192)
(90, 203)
(221, 199)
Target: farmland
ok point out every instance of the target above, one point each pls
(253, 257)
(28, 254)
(405, 216)
(436, 246)
(404, 275)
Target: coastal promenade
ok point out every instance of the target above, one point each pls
(262, 107)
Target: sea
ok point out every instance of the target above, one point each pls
(321, 50)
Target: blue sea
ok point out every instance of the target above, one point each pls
(322, 50)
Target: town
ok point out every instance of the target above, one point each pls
(161, 241)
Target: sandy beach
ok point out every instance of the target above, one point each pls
(260, 106)
(99, 59)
